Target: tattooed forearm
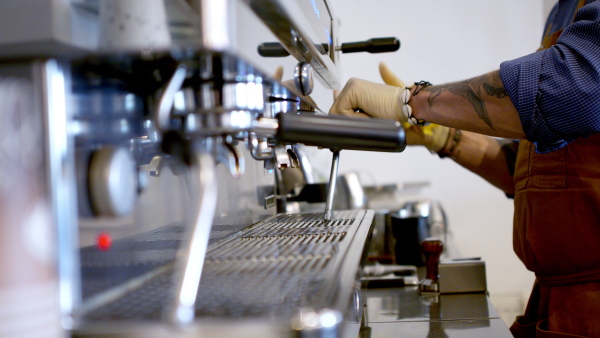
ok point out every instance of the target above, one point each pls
(495, 91)
(465, 90)
(475, 90)
(492, 84)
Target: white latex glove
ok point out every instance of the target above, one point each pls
(362, 98)
(433, 136)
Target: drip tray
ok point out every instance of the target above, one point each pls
(269, 272)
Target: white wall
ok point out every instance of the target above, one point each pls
(444, 41)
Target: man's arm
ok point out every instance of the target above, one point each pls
(480, 104)
(491, 159)
(484, 156)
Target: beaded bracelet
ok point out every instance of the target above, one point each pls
(454, 139)
(405, 98)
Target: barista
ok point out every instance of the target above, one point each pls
(549, 100)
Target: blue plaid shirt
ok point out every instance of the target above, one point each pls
(557, 90)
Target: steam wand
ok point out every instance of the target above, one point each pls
(332, 180)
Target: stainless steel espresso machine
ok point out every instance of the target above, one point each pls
(169, 152)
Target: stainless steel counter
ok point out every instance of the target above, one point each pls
(403, 312)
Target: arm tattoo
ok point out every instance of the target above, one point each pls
(473, 90)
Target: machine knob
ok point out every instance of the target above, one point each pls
(432, 249)
(303, 77)
(112, 181)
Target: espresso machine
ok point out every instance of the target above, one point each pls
(168, 151)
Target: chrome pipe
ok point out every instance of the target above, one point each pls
(163, 112)
(60, 154)
(191, 262)
(331, 190)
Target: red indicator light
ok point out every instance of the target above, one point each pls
(104, 241)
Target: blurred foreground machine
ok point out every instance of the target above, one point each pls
(152, 146)
(165, 147)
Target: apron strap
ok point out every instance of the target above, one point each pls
(570, 279)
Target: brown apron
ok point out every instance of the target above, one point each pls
(557, 235)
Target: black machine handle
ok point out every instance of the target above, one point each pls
(338, 132)
(375, 45)
(272, 49)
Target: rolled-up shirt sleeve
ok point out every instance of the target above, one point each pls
(557, 90)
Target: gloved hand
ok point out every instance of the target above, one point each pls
(362, 98)
(433, 136)
(278, 73)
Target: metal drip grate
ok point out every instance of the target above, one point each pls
(219, 232)
(270, 270)
(154, 247)
(128, 258)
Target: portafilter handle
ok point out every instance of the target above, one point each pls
(338, 132)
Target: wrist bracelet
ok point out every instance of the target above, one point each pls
(454, 139)
(405, 98)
